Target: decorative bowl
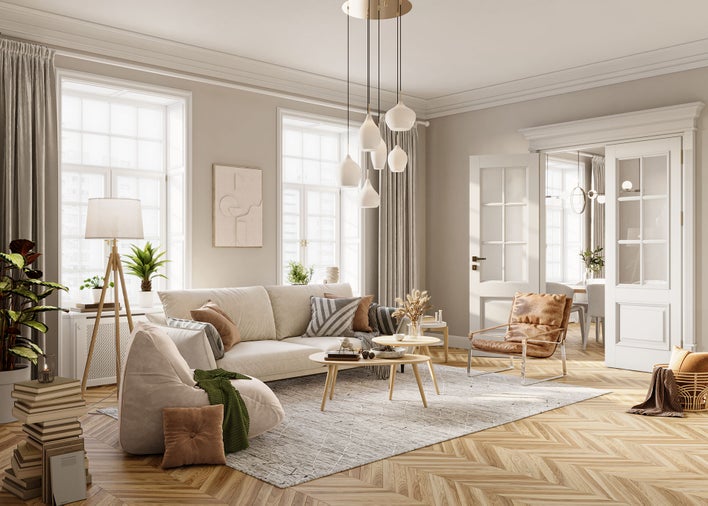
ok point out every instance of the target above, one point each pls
(386, 352)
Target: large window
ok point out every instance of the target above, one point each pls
(321, 222)
(564, 228)
(121, 142)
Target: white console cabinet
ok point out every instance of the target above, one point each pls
(76, 338)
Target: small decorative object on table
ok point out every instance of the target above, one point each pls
(413, 307)
(594, 261)
(389, 352)
(48, 369)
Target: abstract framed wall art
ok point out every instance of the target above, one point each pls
(238, 207)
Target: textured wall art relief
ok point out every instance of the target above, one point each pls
(238, 207)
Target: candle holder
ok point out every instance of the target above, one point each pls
(47, 369)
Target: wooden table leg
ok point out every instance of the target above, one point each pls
(334, 382)
(445, 341)
(391, 382)
(432, 375)
(330, 374)
(420, 384)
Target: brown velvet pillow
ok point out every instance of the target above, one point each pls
(361, 317)
(225, 326)
(538, 309)
(193, 436)
(695, 362)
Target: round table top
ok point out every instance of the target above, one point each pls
(407, 341)
(432, 324)
(405, 359)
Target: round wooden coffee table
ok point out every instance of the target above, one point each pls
(419, 344)
(333, 368)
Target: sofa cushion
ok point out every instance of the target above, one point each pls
(193, 436)
(361, 317)
(227, 329)
(385, 322)
(678, 355)
(215, 341)
(332, 317)
(688, 361)
(153, 379)
(248, 307)
(291, 305)
(322, 343)
(269, 359)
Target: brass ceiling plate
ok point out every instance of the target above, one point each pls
(375, 9)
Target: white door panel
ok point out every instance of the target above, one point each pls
(644, 266)
(504, 234)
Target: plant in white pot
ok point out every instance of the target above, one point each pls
(22, 295)
(144, 264)
(95, 284)
(298, 274)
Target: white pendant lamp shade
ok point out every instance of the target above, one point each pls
(400, 117)
(368, 196)
(397, 159)
(349, 172)
(378, 156)
(369, 135)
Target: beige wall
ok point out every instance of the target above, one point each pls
(451, 141)
(235, 127)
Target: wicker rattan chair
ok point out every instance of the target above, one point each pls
(537, 326)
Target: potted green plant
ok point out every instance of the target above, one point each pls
(95, 284)
(144, 263)
(593, 260)
(298, 274)
(22, 295)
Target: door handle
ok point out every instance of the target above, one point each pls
(475, 258)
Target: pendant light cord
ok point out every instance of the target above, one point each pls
(398, 50)
(378, 61)
(368, 62)
(348, 133)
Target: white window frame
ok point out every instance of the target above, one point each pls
(282, 112)
(186, 97)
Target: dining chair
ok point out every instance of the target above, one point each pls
(579, 308)
(596, 309)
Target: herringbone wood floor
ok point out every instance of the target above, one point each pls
(587, 453)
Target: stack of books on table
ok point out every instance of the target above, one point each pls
(92, 307)
(50, 415)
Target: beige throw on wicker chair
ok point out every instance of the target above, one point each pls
(537, 326)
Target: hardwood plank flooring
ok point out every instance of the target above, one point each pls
(587, 453)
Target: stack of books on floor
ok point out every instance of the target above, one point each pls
(49, 412)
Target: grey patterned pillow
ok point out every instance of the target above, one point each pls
(385, 321)
(331, 317)
(217, 345)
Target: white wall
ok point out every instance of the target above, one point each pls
(451, 140)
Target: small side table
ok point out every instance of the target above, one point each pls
(437, 327)
(419, 344)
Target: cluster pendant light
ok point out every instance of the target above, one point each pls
(400, 118)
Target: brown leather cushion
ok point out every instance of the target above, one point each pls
(361, 316)
(538, 309)
(212, 313)
(193, 436)
(514, 347)
(518, 331)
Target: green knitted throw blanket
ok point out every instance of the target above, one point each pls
(220, 391)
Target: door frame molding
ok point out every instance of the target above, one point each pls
(678, 120)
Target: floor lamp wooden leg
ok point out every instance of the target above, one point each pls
(89, 355)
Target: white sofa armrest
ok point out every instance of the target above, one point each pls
(194, 346)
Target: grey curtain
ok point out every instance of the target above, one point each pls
(28, 139)
(398, 262)
(598, 210)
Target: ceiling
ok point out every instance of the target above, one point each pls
(457, 54)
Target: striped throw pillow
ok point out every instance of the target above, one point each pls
(331, 317)
(217, 345)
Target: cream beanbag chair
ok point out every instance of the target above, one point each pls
(155, 376)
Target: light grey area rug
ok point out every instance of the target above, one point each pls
(360, 425)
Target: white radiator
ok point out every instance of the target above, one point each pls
(75, 342)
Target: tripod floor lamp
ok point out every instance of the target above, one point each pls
(112, 219)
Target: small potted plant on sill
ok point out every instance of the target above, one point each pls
(298, 274)
(593, 260)
(144, 263)
(22, 295)
(95, 284)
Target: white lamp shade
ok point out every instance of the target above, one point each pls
(368, 196)
(369, 135)
(378, 156)
(349, 172)
(601, 199)
(627, 185)
(400, 117)
(397, 159)
(114, 219)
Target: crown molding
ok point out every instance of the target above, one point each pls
(84, 39)
(677, 58)
(631, 125)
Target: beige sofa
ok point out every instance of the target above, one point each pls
(271, 320)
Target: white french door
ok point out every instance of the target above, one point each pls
(643, 305)
(504, 234)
